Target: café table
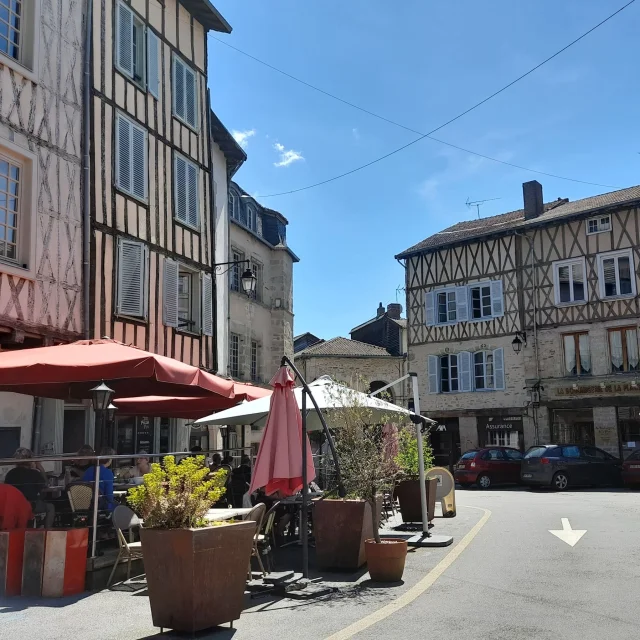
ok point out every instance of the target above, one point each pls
(218, 515)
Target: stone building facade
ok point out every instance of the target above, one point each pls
(523, 328)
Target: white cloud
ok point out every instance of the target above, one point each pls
(287, 156)
(242, 137)
(356, 134)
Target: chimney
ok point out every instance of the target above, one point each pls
(380, 310)
(394, 310)
(532, 194)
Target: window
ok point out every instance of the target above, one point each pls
(598, 225)
(234, 205)
(187, 299)
(9, 441)
(569, 280)
(493, 454)
(254, 361)
(251, 218)
(616, 272)
(577, 355)
(234, 353)
(10, 205)
(488, 370)
(132, 295)
(235, 272)
(446, 301)
(481, 302)
(504, 439)
(186, 191)
(570, 452)
(131, 157)
(137, 50)
(19, 28)
(185, 98)
(11, 16)
(256, 267)
(594, 453)
(449, 373)
(513, 454)
(623, 347)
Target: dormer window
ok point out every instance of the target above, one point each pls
(600, 224)
(234, 205)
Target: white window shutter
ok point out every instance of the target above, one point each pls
(465, 371)
(170, 293)
(153, 63)
(430, 308)
(192, 187)
(434, 374)
(123, 153)
(178, 87)
(207, 304)
(497, 302)
(138, 162)
(462, 304)
(191, 97)
(124, 39)
(131, 278)
(180, 188)
(498, 368)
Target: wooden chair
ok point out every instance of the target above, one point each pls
(266, 540)
(124, 519)
(256, 514)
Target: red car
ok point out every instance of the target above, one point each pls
(631, 469)
(488, 467)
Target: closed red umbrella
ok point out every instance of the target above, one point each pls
(189, 408)
(71, 370)
(278, 467)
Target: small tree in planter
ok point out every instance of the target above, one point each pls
(408, 487)
(195, 572)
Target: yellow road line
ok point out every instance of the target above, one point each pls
(417, 590)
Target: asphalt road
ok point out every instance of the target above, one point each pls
(505, 577)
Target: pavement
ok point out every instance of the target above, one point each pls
(504, 577)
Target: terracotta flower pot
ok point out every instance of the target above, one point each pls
(408, 494)
(196, 577)
(385, 560)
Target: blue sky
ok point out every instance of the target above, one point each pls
(419, 64)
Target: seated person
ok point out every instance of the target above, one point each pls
(30, 479)
(78, 467)
(216, 462)
(143, 466)
(106, 479)
(240, 481)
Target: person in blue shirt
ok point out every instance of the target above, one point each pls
(106, 479)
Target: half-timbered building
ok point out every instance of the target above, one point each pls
(152, 242)
(523, 326)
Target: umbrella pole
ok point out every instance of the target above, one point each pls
(423, 486)
(304, 529)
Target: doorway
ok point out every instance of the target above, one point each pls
(445, 442)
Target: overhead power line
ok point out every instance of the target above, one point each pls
(421, 135)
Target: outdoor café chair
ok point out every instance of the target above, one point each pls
(124, 519)
(256, 514)
(266, 541)
(80, 496)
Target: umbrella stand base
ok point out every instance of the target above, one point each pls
(289, 585)
(420, 539)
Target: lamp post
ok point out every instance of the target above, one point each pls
(101, 396)
(248, 279)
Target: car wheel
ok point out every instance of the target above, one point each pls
(560, 481)
(484, 481)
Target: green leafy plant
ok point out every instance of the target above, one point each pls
(177, 496)
(407, 456)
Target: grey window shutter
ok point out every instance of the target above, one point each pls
(191, 98)
(462, 304)
(497, 302)
(192, 202)
(138, 162)
(207, 305)
(124, 39)
(498, 368)
(430, 308)
(170, 293)
(465, 371)
(434, 374)
(180, 188)
(123, 153)
(131, 278)
(153, 63)
(178, 87)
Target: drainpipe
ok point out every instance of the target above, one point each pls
(214, 279)
(86, 169)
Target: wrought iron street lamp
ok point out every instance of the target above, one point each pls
(101, 396)
(518, 341)
(248, 278)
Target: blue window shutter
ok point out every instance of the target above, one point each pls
(497, 302)
(180, 189)
(430, 308)
(138, 162)
(498, 368)
(191, 97)
(462, 304)
(170, 293)
(131, 278)
(178, 87)
(192, 201)
(124, 39)
(434, 374)
(465, 371)
(207, 305)
(153, 63)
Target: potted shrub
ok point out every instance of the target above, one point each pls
(408, 483)
(195, 571)
(347, 530)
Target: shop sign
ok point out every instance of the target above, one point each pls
(501, 423)
(590, 389)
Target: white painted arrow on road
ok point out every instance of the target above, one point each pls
(567, 534)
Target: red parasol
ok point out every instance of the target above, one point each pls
(278, 467)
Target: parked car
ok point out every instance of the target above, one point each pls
(631, 469)
(488, 467)
(569, 465)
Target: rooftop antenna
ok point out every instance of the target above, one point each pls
(398, 290)
(477, 203)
